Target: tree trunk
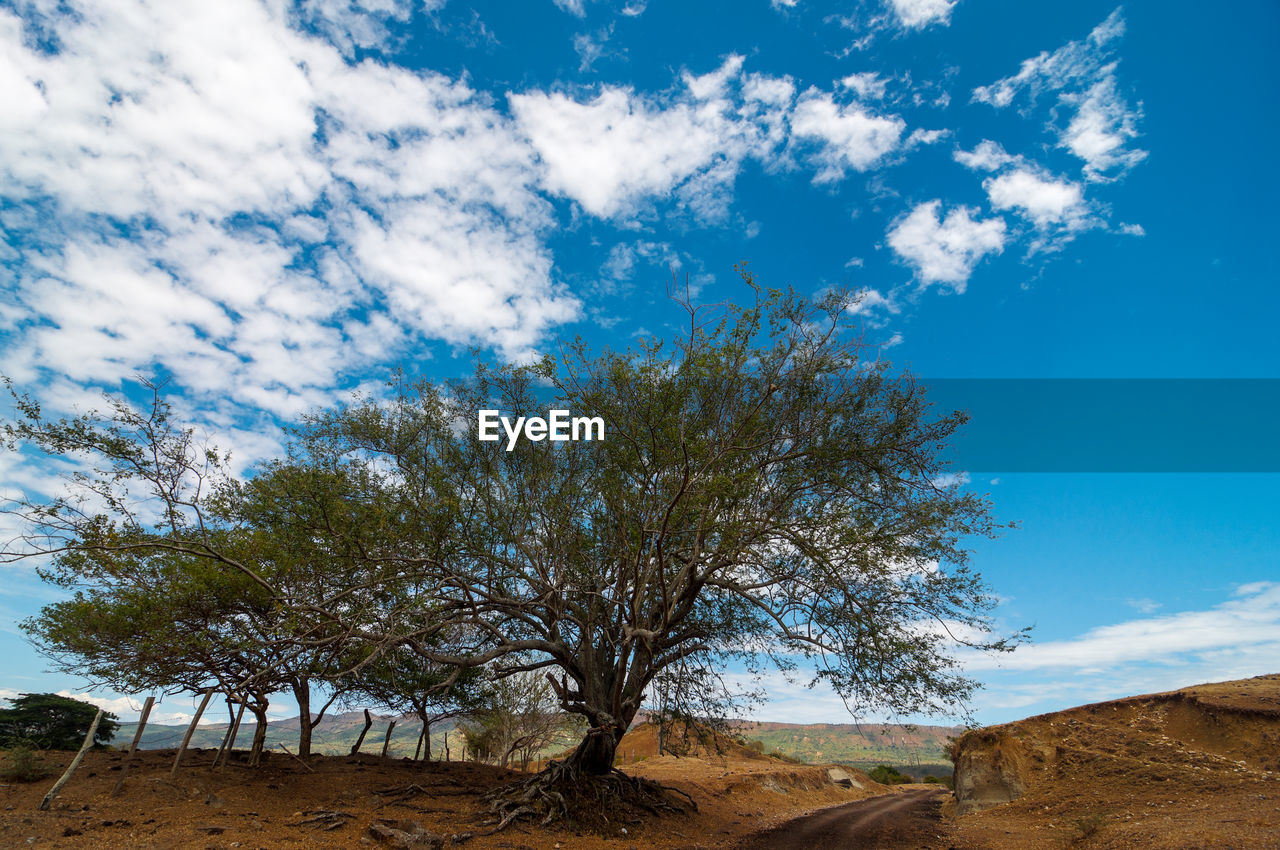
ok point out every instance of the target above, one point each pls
(133, 748)
(232, 734)
(260, 734)
(594, 755)
(368, 721)
(426, 736)
(302, 692)
(220, 758)
(186, 739)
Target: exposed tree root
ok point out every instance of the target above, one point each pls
(562, 791)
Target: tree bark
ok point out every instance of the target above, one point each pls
(186, 739)
(259, 734)
(368, 721)
(426, 735)
(302, 692)
(75, 762)
(232, 734)
(133, 747)
(594, 755)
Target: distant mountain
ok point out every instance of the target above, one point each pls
(333, 736)
(861, 745)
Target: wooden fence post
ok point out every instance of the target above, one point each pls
(386, 742)
(75, 762)
(186, 739)
(368, 721)
(133, 748)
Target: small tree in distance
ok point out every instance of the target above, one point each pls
(53, 722)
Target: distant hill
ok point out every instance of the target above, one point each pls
(861, 745)
(333, 736)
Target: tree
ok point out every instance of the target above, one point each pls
(763, 492)
(521, 716)
(405, 683)
(53, 722)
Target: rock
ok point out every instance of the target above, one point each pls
(991, 769)
(840, 777)
(404, 834)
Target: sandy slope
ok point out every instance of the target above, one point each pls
(1197, 767)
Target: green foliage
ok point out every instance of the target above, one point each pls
(764, 493)
(52, 722)
(23, 764)
(886, 775)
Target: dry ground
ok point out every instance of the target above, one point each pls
(282, 803)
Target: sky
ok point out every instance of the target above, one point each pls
(270, 205)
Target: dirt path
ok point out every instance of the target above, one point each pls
(910, 819)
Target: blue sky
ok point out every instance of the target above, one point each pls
(273, 204)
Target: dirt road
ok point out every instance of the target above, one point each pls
(907, 820)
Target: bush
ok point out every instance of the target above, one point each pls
(52, 722)
(886, 775)
(938, 780)
(22, 764)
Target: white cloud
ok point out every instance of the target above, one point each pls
(591, 46)
(1083, 76)
(945, 250)
(616, 150)
(1046, 202)
(573, 7)
(1102, 126)
(850, 136)
(620, 151)
(917, 14)
(920, 136)
(866, 84)
(987, 156)
(1245, 628)
(1055, 206)
(204, 196)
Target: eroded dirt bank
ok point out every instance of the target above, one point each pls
(1197, 767)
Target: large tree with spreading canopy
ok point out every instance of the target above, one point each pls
(765, 491)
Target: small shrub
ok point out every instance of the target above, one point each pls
(1089, 825)
(23, 764)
